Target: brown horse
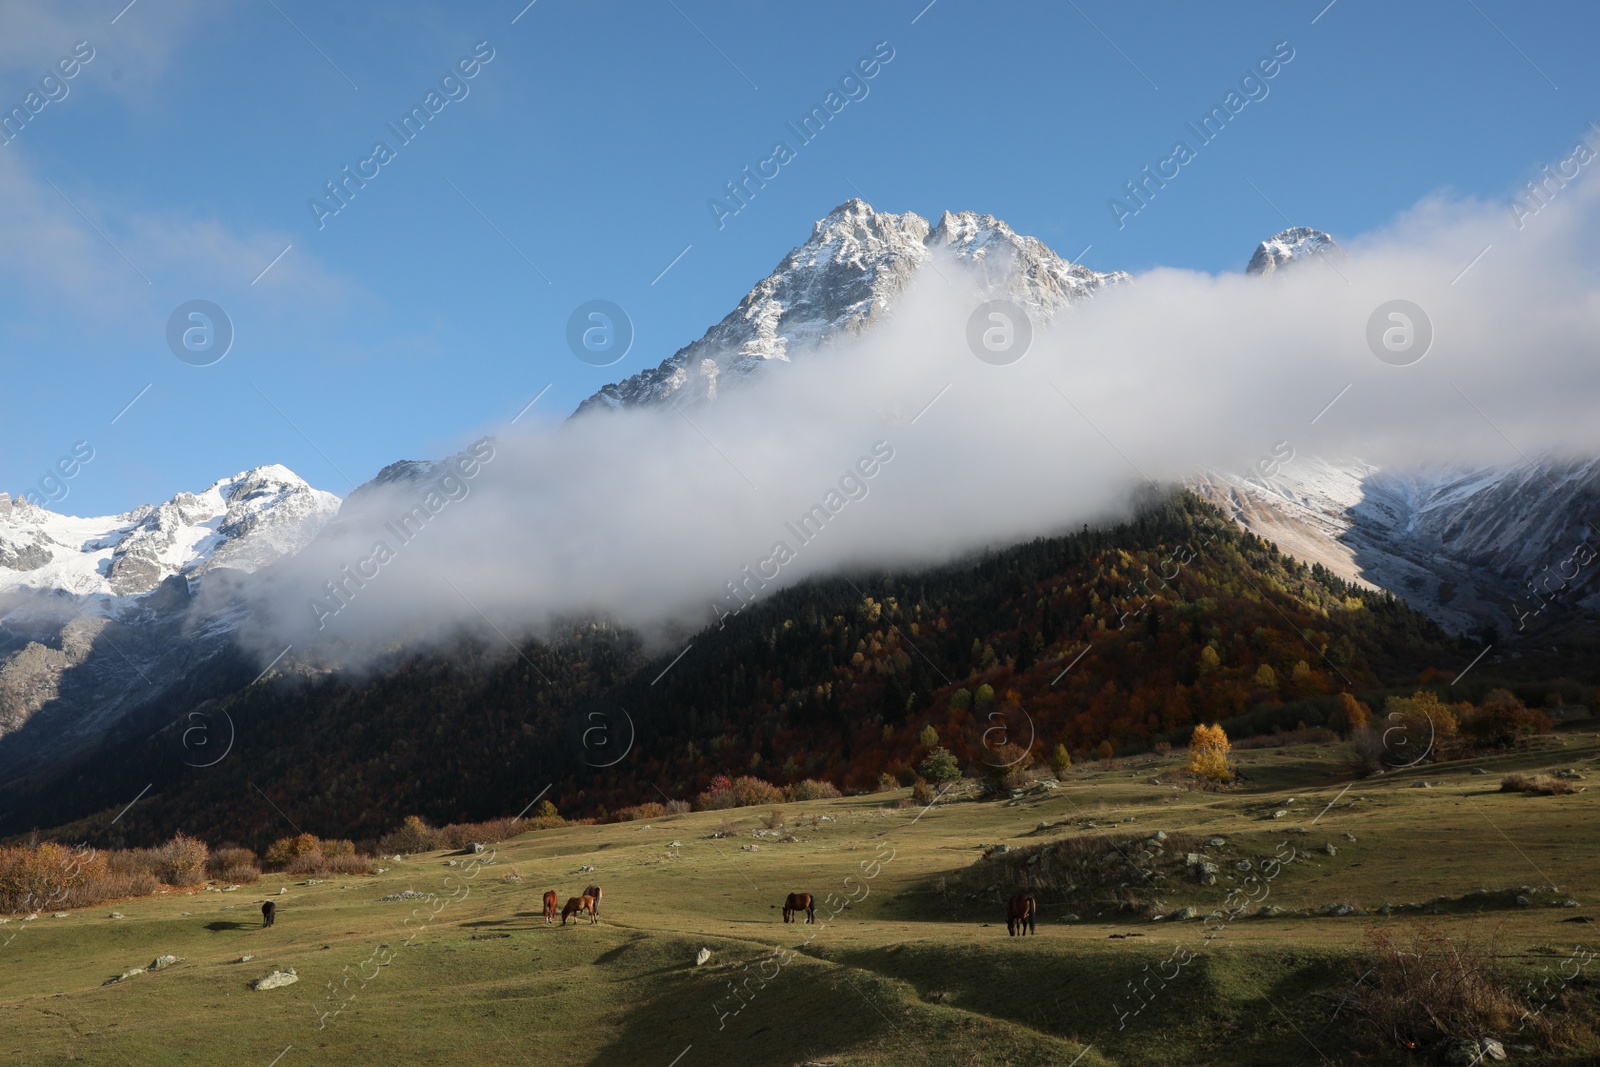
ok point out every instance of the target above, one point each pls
(578, 905)
(797, 903)
(1020, 912)
(594, 891)
(551, 903)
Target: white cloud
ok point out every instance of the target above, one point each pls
(644, 517)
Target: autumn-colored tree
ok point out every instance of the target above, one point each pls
(1209, 749)
(544, 810)
(1350, 715)
(1061, 761)
(1209, 660)
(1105, 750)
(983, 696)
(929, 736)
(1266, 678)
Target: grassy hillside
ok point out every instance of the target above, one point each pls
(915, 971)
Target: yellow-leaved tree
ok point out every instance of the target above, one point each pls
(1208, 753)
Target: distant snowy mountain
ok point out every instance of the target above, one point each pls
(96, 613)
(1287, 246)
(844, 280)
(1467, 545)
(243, 522)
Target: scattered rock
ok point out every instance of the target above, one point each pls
(1280, 813)
(1350, 838)
(1327, 846)
(1567, 903)
(241, 959)
(116, 915)
(124, 976)
(1568, 772)
(1470, 1053)
(1185, 914)
(1033, 859)
(1159, 836)
(312, 881)
(675, 844)
(1242, 865)
(283, 890)
(1270, 911)
(59, 915)
(478, 850)
(585, 869)
(1477, 770)
(1338, 909)
(702, 956)
(406, 894)
(999, 850)
(230, 889)
(163, 962)
(1420, 785)
(1524, 901)
(1072, 917)
(447, 863)
(276, 980)
(1217, 842)
(750, 848)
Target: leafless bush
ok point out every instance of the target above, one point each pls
(1424, 988)
(1545, 785)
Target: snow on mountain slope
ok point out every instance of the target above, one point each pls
(1287, 246)
(243, 522)
(843, 280)
(96, 614)
(1460, 543)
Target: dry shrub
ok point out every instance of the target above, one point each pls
(545, 822)
(48, 875)
(1425, 988)
(183, 860)
(887, 783)
(462, 834)
(648, 810)
(923, 792)
(774, 819)
(749, 790)
(285, 850)
(726, 828)
(715, 800)
(812, 789)
(677, 807)
(224, 859)
(322, 863)
(241, 874)
(1544, 785)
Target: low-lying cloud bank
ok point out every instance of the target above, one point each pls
(901, 446)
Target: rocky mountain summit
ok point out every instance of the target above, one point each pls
(844, 280)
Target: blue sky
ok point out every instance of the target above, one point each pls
(580, 162)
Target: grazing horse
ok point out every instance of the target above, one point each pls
(594, 891)
(550, 905)
(1020, 912)
(269, 912)
(578, 904)
(797, 903)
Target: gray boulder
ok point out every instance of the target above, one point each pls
(276, 980)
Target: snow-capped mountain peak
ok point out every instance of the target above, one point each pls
(846, 276)
(243, 522)
(1288, 246)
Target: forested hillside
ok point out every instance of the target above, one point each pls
(1105, 637)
